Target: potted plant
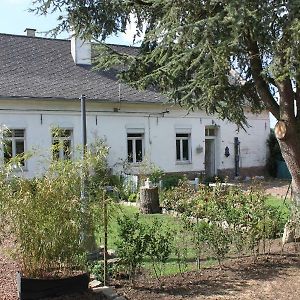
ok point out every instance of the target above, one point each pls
(47, 220)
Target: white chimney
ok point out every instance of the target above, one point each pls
(30, 32)
(81, 51)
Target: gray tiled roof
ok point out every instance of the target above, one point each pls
(35, 67)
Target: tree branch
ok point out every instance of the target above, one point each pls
(261, 85)
(271, 81)
(141, 2)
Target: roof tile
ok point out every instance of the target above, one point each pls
(34, 67)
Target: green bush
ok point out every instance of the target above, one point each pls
(178, 198)
(159, 245)
(222, 217)
(138, 239)
(170, 181)
(50, 224)
(132, 243)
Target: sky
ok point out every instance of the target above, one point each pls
(15, 18)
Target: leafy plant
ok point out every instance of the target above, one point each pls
(47, 217)
(97, 269)
(159, 246)
(132, 243)
(170, 181)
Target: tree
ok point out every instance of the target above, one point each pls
(216, 55)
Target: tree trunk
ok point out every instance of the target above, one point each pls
(149, 200)
(290, 149)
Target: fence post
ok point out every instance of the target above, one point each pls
(196, 183)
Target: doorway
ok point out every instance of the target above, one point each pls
(210, 159)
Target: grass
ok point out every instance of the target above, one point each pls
(172, 266)
(283, 206)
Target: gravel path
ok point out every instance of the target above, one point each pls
(8, 270)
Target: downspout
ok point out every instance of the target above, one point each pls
(236, 156)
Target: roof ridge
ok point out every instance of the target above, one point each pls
(62, 40)
(34, 37)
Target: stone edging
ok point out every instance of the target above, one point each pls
(108, 293)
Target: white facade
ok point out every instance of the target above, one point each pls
(157, 124)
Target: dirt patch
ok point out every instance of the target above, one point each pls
(272, 276)
(275, 187)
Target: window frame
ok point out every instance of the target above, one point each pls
(185, 136)
(14, 140)
(140, 136)
(61, 139)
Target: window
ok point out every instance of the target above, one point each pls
(62, 143)
(135, 147)
(183, 147)
(13, 144)
(210, 131)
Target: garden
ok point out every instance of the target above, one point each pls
(205, 235)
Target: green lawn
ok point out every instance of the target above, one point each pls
(279, 203)
(183, 239)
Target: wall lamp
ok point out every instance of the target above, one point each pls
(226, 151)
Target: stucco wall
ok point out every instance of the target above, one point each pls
(37, 117)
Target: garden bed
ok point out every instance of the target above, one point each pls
(273, 276)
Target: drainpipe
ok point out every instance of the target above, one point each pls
(237, 156)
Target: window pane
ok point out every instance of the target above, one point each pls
(19, 147)
(210, 131)
(18, 132)
(62, 143)
(178, 149)
(55, 149)
(66, 133)
(129, 149)
(139, 150)
(185, 149)
(67, 149)
(7, 147)
(20, 150)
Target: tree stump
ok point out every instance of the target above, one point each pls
(149, 200)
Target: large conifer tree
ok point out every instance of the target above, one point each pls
(216, 55)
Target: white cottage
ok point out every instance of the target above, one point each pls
(42, 79)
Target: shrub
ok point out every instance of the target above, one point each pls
(132, 243)
(178, 198)
(51, 225)
(159, 245)
(225, 216)
(170, 181)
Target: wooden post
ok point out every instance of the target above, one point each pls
(105, 239)
(149, 200)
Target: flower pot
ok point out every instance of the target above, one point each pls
(35, 288)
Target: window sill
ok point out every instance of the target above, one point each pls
(183, 162)
(135, 164)
(18, 170)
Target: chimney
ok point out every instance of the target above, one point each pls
(30, 32)
(81, 51)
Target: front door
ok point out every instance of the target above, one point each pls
(210, 157)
